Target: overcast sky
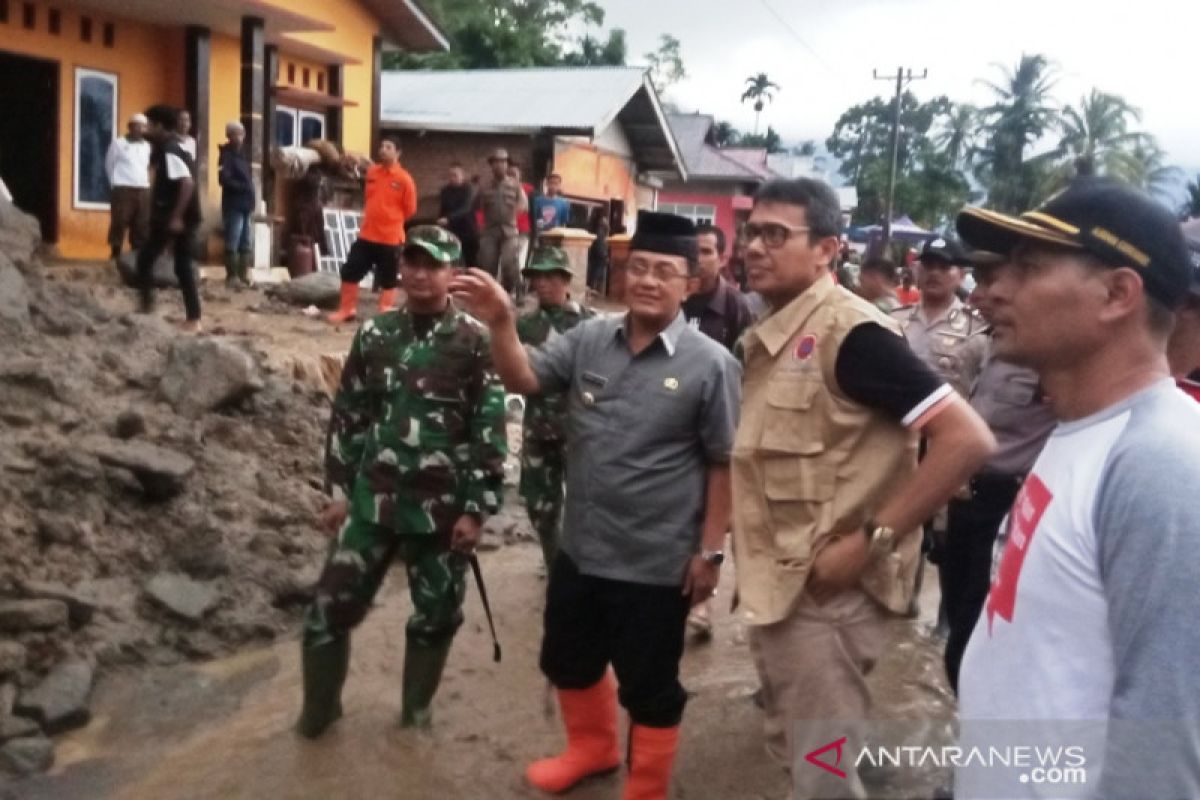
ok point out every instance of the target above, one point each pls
(822, 54)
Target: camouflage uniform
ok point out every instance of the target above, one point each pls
(416, 440)
(544, 439)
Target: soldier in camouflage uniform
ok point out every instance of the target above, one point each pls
(415, 458)
(543, 449)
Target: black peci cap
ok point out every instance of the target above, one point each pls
(1116, 223)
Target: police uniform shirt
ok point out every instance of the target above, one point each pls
(953, 343)
(1009, 399)
(641, 432)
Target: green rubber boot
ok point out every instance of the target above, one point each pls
(423, 665)
(245, 261)
(324, 669)
(231, 269)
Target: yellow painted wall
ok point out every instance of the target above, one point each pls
(314, 68)
(139, 58)
(224, 105)
(356, 28)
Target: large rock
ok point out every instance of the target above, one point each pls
(17, 727)
(164, 270)
(12, 659)
(80, 607)
(60, 702)
(20, 238)
(27, 756)
(161, 472)
(14, 296)
(181, 595)
(206, 374)
(321, 289)
(32, 615)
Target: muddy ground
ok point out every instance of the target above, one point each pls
(221, 729)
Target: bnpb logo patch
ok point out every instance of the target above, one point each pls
(805, 348)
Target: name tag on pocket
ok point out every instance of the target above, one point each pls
(595, 380)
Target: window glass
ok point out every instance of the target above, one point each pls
(95, 127)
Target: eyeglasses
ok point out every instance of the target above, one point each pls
(661, 272)
(774, 234)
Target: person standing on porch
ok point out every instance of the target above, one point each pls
(127, 165)
(237, 204)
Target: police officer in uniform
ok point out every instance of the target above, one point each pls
(1011, 402)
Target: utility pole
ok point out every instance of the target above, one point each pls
(903, 78)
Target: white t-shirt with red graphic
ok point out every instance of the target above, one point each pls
(1093, 610)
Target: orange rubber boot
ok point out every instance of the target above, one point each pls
(651, 757)
(347, 306)
(590, 716)
(387, 300)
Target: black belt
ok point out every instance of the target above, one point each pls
(991, 482)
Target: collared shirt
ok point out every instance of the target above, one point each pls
(953, 342)
(721, 315)
(641, 432)
(500, 202)
(1009, 398)
(546, 413)
(128, 163)
(391, 199)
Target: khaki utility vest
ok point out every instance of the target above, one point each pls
(809, 462)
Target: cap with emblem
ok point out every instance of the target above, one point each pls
(1119, 225)
(946, 250)
(666, 233)
(437, 242)
(548, 260)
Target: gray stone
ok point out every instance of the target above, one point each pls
(129, 424)
(60, 702)
(164, 270)
(14, 296)
(321, 289)
(206, 374)
(181, 595)
(161, 472)
(32, 615)
(20, 235)
(12, 659)
(28, 755)
(8, 696)
(60, 529)
(17, 727)
(80, 607)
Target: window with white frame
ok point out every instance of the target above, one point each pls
(697, 213)
(295, 126)
(95, 129)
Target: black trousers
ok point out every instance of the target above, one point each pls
(183, 245)
(364, 255)
(966, 562)
(591, 622)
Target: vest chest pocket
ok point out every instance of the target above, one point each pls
(791, 424)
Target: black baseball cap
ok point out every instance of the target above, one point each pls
(1117, 224)
(947, 249)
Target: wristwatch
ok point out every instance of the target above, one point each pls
(714, 557)
(880, 538)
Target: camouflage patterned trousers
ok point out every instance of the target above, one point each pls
(543, 470)
(358, 560)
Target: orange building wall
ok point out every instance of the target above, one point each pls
(588, 171)
(224, 105)
(356, 28)
(141, 58)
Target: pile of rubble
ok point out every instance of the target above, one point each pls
(156, 496)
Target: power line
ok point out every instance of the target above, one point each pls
(902, 78)
(787, 26)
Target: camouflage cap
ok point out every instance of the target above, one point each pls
(548, 259)
(440, 243)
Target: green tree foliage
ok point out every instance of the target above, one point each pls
(666, 64)
(929, 186)
(769, 140)
(725, 135)
(515, 33)
(761, 90)
(1191, 205)
(1021, 114)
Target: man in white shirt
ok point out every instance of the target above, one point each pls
(127, 165)
(1090, 624)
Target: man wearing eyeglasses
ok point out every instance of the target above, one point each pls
(828, 497)
(651, 415)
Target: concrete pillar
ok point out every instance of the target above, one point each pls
(334, 115)
(253, 92)
(197, 83)
(270, 78)
(376, 93)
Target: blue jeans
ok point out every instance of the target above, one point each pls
(237, 231)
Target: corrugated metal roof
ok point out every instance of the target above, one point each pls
(705, 162)
(509, 100)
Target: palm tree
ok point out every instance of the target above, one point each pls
(1097, 134)
(959, 134)
(1019, 117)
(1144, 166)
(761, 90)
(1191, 206)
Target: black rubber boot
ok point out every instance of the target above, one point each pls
(245, 261)
(324, 668)
(423, 666)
